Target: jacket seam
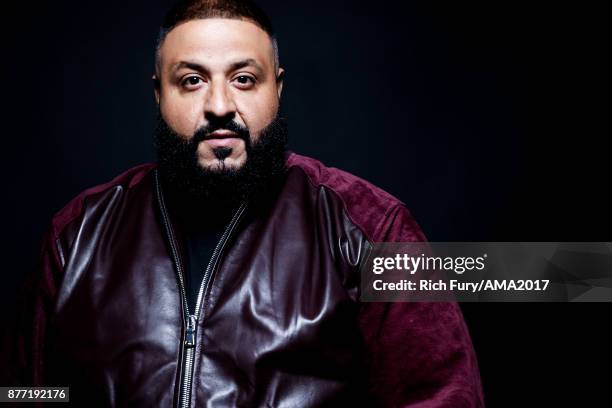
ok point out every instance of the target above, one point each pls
(345, 207)
(92, 192)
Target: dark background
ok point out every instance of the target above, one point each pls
(481, 117)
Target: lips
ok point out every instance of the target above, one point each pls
(221, 134)
(222, 138)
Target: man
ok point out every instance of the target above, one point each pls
(227, 274)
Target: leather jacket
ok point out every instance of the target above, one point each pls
(278, 322)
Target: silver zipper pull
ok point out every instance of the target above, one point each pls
(190, 338)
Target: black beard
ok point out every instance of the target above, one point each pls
(220, 189)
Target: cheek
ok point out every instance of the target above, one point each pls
(257, 113)
(181, 114)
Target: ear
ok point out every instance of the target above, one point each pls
(280, 75)
(156, 87)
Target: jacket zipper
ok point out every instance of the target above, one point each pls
(191, 320)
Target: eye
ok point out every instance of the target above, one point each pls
(244, 81)
(191, 81)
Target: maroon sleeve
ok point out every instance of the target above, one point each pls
(24, 347)
(419, 353)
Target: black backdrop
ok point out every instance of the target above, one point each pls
(479, 116)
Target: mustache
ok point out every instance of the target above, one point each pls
(205, 131)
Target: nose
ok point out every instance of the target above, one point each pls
(219, 105)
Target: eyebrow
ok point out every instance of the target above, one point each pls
(247, 62)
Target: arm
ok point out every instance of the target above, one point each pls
(419, 353)
(24, 348)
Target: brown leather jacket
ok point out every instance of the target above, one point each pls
(279, 323)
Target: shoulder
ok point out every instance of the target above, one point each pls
(369, 207)
(127, 180)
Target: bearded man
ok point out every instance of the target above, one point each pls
(227, 273)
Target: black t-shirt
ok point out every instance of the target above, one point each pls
(200, 247)
(201, 243)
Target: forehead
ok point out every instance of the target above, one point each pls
(215, 41)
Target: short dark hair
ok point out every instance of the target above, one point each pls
(186, 10)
